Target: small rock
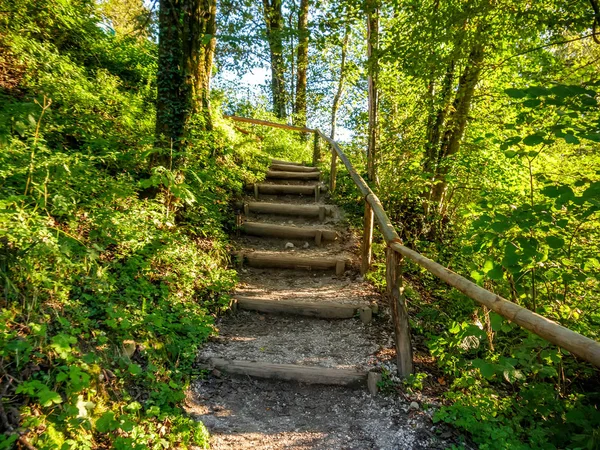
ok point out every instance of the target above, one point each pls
(414, 405)
(216, 372)
(289, 245)
(306, 245)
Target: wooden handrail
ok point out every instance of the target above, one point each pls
(269, 124)
(581, 346)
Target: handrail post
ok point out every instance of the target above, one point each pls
(395, 291)
(316, 150)
(367, 241)
(333, 172)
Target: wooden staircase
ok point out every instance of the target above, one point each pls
(293, 260)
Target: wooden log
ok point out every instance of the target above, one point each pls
(395, 292)
(316, 150)
(366, 314)
(287, 163)
(367, 240)
(385, 225)
(280, 175)
(584, 347)
(269, 124)
(256, 191)
(285, 261)
(333, 172)
(287, 209)
(317, 193)
(328, 310)
(291, 372)
(318, 237)
(285, 231)
(373, 380)
(323, 211)
(293, 168)
(285, 189)
(340, 268)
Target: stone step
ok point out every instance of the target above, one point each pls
(287, 209)
(291, 372)
(293, 168)
(325, 310)
(288, 232)
(286, 261)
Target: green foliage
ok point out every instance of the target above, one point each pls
(112, 273)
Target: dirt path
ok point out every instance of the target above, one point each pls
(243, 412)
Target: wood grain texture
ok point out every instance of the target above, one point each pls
(287, 232)
(293, 168)
(328, 310)
(292, 372)
(280, 175)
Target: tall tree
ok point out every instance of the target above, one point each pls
(185, 54)
(274, 21)
(372, 10)
(302, 65)
(341, 81)
(198, 50)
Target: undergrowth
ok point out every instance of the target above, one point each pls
(112, 272)
(505, 387)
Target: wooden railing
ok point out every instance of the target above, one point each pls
(581, 346)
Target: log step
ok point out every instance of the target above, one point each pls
(289, 189)
(287, 163)
(292, 372)
(286, 209)
(327, 310)
(285, 261)
(293, 168)
(288, 232)
(280, 175)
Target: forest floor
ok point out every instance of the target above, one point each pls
(242, 412)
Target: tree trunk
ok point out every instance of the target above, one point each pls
(372, 9)
(185, 53)
(340, 89)
(436, 120)
(171, 101)
(274, 23)
(302, 65)
(450, 143)
(199, 29)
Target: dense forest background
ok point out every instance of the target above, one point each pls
(476, 122)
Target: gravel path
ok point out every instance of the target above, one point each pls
(244, 413)
(248, 413)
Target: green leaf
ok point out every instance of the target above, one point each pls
(532, 103)
(533, 139)
(591, 136)
(107, 422)
(496, 273)
(488, 265)
(477, 276)
(487, 370)
(48, 397)
(570, 139)
(515, 93)
(496, 321)
(134, 369)
(555, 242)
